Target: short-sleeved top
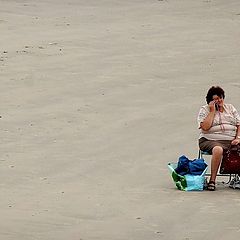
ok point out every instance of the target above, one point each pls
(224, 124)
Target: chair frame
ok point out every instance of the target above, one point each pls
(200, 155)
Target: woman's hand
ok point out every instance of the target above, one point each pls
(212, 107)
(235, 141)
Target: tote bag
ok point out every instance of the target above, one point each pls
(187, 182)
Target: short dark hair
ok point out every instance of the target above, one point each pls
(214, 90)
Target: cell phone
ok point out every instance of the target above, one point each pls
(216, 106)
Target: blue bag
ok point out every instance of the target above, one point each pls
(186, 166)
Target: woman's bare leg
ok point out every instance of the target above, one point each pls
(217, 153)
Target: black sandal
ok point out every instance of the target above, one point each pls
(211, 186)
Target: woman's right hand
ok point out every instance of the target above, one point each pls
(212, 106)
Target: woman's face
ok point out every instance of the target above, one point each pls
(219, 100)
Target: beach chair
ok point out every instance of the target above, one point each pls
(232, 178)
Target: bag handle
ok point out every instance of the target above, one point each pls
(233, 148)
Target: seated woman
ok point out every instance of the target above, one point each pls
(219, 125)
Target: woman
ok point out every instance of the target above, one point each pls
(219, 125)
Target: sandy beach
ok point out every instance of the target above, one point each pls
(96, 98)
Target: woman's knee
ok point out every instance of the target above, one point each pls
(217, 150)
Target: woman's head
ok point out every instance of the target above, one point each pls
(215, 93)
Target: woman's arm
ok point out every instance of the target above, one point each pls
(236, 141)
(207, 122)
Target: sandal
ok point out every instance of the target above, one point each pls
(211, 186)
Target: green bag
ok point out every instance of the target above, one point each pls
(187, 182)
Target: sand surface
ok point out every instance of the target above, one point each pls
(97, 96)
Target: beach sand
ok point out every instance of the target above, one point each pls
(96, 98)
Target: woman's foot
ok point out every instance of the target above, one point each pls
(211, 186)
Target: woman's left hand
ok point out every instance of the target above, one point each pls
(235, 141)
